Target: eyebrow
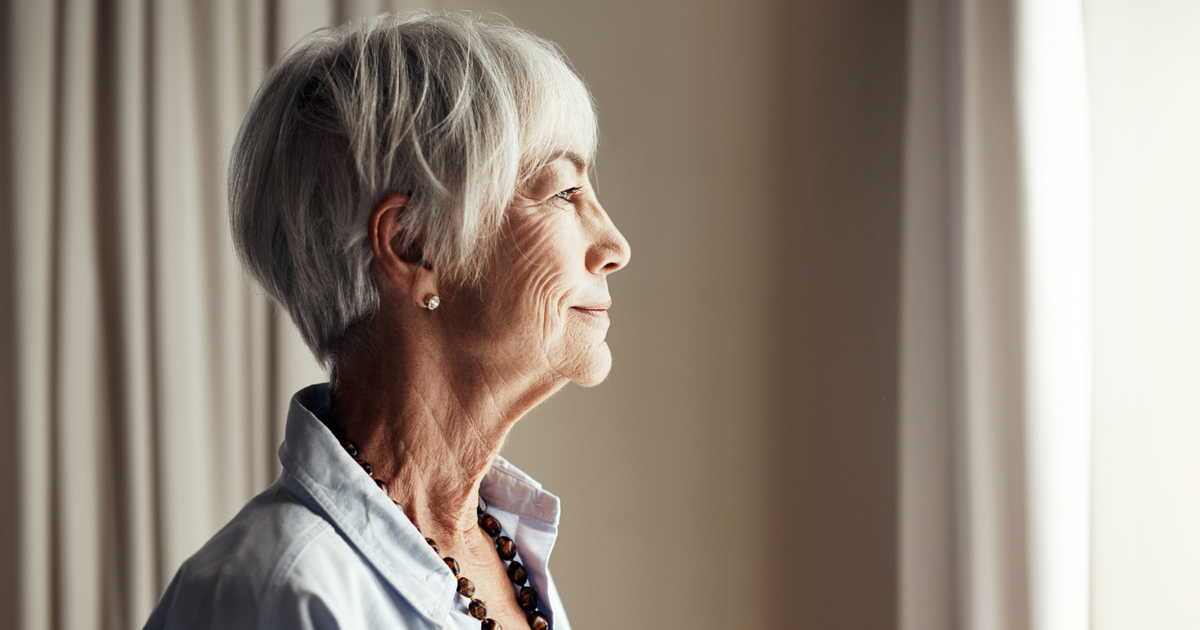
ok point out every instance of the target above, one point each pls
(576, 159)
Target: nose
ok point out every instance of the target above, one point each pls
(609, 250)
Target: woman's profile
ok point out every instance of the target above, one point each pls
(414, 192)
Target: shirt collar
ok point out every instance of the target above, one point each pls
(318, 470)
(507, 488)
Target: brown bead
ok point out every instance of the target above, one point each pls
(478, 609)
(434, 545)
(506, 548)
(538, 622)
(490, 525)
(452, 563)
(481, 509)
(350, 448)
(517, 573)
(528, 598)
(366, 467)
(490, 624)
(465, 587)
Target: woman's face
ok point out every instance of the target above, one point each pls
(542, 308)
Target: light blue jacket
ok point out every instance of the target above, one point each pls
(322, 547)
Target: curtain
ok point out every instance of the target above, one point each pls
(144, 378)
(995, 409)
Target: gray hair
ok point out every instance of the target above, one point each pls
(448, 109)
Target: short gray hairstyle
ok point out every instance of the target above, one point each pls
(449, 109)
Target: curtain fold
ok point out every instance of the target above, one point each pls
(995, 325)
(145, 377)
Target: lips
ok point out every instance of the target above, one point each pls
(599, 306)
(599, 310)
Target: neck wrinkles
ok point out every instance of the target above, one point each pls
(430, 428)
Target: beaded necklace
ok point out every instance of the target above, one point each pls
(505, 548)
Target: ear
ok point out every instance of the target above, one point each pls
(406, 271)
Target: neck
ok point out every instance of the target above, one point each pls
(430, 427)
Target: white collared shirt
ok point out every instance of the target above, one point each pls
(322, 547)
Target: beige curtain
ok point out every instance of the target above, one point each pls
(962, 514)
(143, 378)
(995, 376)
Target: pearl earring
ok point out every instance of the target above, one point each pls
(432, 301)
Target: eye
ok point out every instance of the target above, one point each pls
(568, 194)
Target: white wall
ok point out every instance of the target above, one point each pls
(1144, 59)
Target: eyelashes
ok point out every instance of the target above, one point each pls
(568, 194)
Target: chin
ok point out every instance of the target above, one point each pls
(595, 368)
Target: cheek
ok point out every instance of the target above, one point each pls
(534, 279)
(544, 266)
(554, 265)
(537, 273)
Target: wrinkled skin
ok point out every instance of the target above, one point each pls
(541, 310)
(430, 396)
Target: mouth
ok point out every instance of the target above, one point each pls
(598, 311)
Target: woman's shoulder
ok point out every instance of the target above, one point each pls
(261, 560)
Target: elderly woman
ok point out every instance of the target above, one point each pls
(414, 193)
